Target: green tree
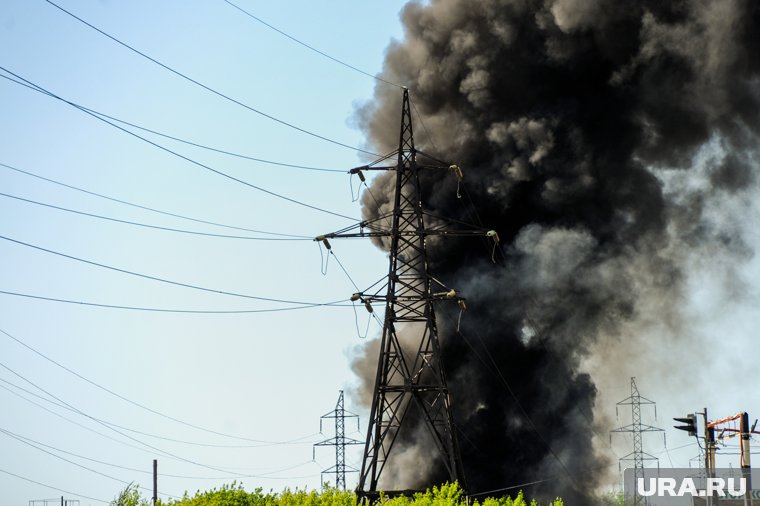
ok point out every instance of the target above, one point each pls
(130, 496)
(449, 494)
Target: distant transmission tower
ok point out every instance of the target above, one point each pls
(637, 456)
(339, 442)
(410, 380)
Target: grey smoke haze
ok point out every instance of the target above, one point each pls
(575, 122)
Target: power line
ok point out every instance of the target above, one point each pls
(95, 471)
(139, 405)
(52, 487)
(82, 413)
(312, 48)
(179, 311)
(177, 154)
(156, 227)
(136, 470)
(263, 444)
(208, 88)
(512, 487)
(90, 429)
(185, 141)
(258, 475)
(155, 278)
(496, 371)
(138, 206)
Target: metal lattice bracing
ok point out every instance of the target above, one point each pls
(410, 375)
(405, 378)
(638, 456)
(340, 441)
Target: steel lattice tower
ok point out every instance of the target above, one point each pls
(638, 456)
(340, 441)
(410, 375)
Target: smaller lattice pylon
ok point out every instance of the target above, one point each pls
(339, 441)
(638, 456)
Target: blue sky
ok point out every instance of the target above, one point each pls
(266, 376)
(263, 376)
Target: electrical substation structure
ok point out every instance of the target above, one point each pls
(638, 456)
(54, 502)
(339, 441)
(410, 379)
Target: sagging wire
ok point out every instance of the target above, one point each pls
(459, 175)
(492, 234)
(323, 263)
(362, 179)
(454, 295)
(356, 321)
(357, 297)
(462, 309)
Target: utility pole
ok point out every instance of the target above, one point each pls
(637, 456)
(410, 375)
(709, 445)
(155, 482)
(745, 456)
(744, 431)
(339, 442)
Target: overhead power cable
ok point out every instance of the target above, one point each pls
(82, 413)
(263, 444)
(168, 310)
(76, 494)
(512, 487)
(155, 278)
(89, 429)
(312, 48)
(177, 154)
(494, 369)
(138, 206)
(258, 475)
(143, 471)
(218, 150)
(156, 227)
(156, 436)
(139, 405)
(205, 87)
(69, 461)
(189, 143)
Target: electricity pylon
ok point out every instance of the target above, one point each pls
(638, 456)
(340, 441)
(410, 375)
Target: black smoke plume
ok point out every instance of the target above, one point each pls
(569, 117)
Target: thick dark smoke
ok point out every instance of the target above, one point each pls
(568, 118)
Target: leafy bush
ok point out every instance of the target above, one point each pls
(234, 495)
